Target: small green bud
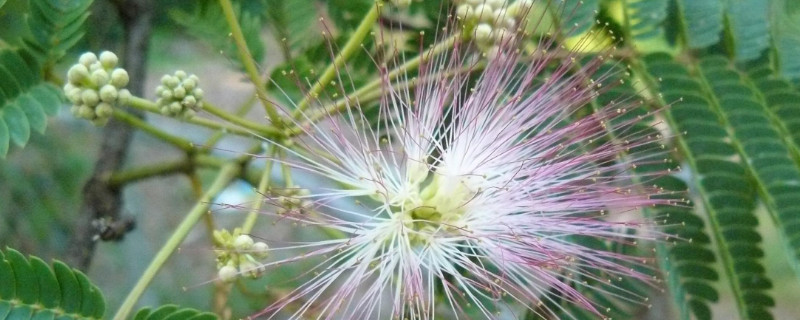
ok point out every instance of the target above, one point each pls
(119, 77)
(189, 101)
(190, 84)
(160, 89)
(108, 93)
(519, 8)
(179, 92)
(260, 250)
(123, 96)
(250, 268)
(463, 11)
(87, 59)
(77, 73)
(483, 33)
(100, 77)
(243, 243)
(198, 93)
(484, 12)
(175, 107)
(86, 112)
(227, 273)
(401, 3)
(108, 59)
(90, 97)
(166, 94)
(95, 66)
(180, 74)
(188, 113)
(103, 110)
(165, 110)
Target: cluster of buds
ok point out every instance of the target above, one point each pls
(95, 86)
(237, 254)
(179, 95)
(291, 200)
(491, 22)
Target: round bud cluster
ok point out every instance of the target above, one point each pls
(491, 23)
(237, 254)
(292, 200)
(95, 86)
(179, 95)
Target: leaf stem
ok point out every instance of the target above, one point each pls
(353, 43)
(228, 172)
(247, 61)
(179, 142)
(263, 185)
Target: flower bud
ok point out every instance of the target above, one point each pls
(483, 33)
(179, 92)
(108, 59)
(77, 73)
(166, 94)
(401, 3)
(103, 110)
(189, 101)
(95, 66)
(190, 84)
(227, 273)
(180, 74)
(484, 12)
(123, 96)
(90, 97)
(250, 268)
(198, 93)
(463, 11)
(87, 59)
(188, 114)
(175, 107)
(108, 93)
(260, 249)
(99, 77)
(243, 243)
(85, 112)
(119, 77)
(519, 8)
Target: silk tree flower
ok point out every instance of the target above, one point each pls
(469, 193)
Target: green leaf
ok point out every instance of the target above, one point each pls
(55, 27)
(295, 21)
(722, 183)
(702, 20)
(25, 101)
(646, 17)
(206, 22)
(577, 15)
(173, 312)
(32, 291)
(785, 20)
(749, 24)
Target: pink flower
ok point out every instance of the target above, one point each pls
(471, 194)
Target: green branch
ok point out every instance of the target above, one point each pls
(225, 176)
(247, 61)
(179, 142)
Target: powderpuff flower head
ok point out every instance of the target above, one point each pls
(469, 192)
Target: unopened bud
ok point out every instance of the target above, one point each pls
(119, 77)
(77, 73)
(87, 59)
(463, 11)
(227, 273)
(243, 242)
(179, 92)
(198, 93)
(483, 33)
(189, 101)
(86, 112)
(180, 74)
(99, 77)
(123, 96)
(175, 107)
(108, 59)
(108, 93)
(90, 97)
(103, 110)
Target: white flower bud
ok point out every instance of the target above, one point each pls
(87, 59)
(119, 77)
(483, 33)
(108, 59)
(250, 268)
(175, 107)
(95, 66)
(166, 94)
(190, 84)
(159, 90)
(108, 93)
(77, 73)
(227, 273)
(90, 97)
(243, 242)
(165, 110)
(180, 74)
(463, 11)
(499, 16)
(519, 8)
(74, 96)
(179, 92)
(103, 110)
(401, 3)
(198, 93)
(99, 77)
(189, 101)
(123, 96)
(484, 12)
(86, 112)
(260, 249)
